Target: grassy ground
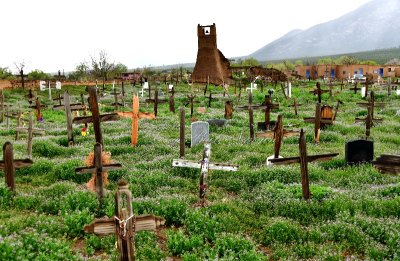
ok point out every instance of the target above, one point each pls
(256, 213)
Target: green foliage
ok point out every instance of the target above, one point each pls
(48, 149)
(6, 197)
(38, 75)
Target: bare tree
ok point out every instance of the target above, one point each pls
(102, 66)
(20, 67)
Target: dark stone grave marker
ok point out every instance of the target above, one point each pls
(359, 151)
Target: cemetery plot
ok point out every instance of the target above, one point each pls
(255, 213)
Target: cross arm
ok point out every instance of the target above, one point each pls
(106, 226)
(91, 169)
(292, 160)
(103, 117)
(18, 163)
(197, 165)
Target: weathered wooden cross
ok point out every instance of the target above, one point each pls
(98, 167)
(388, 163)
(124, 224)
(116, 104)
(30, 96)
(205, 165)
(30, 130)
(181, 132)
(318, 91)
(228, 110)
(269, 106)
(191, 102)
(37, 107)
(68, 107)
(96, 117)
(9, 164)
(156, 101)
(355, 88)
(303, 159)
(371, 104)
(278, 133)
(250, 107)
(295, 104)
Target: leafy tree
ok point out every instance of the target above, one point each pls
(5, 74)
(38, 75)
(101, 66)
(250, 62)
(298, 63)
(346, 60)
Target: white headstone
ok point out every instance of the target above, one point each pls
(58, 85)
(170, 87)
(398, 92)
(269, 163)
(113, 85)
(145, 85)
(363, 94)
(42, 85)
(199, 132)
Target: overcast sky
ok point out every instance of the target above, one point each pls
(53, 35)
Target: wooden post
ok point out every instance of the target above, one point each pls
(209, 100)
(8, 165)
(228, 110)
(172, 103)
(304, 166)
(372, 104)
(155, 101)
(1, 106)
(68, 115)
(317, 122)
(182, 132)
(135, 120)
(251, 118)
(269, 106)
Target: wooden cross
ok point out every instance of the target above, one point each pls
(210, 98)
(116, 103)
(269, 106)
(98, 167)
(124, 224)
(30, 130)
(8, 165)
(59, 99)
(37, 107)
(303, 159)
(205, 165)
(319, 92)
(372, 104)
(30, 96)
(250, 107)
(171, 102)
(355, 88)
(68, 107)
(317, 122)
(228, 110)
(156, 101)
(191, 102)
(2, 105)
(135, 114)
(278, 133)
(96, 117)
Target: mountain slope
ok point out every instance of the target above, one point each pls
(375, 25)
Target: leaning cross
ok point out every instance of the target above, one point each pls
(8, 165)
(98, 167)
(124, 224)
(205, 165)
(269, 106)
(295, 104)
(30, 130)
(278, 133)
(96, 117)
(303, 159)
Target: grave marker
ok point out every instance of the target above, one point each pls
(199, 132)
(371, 104)
(37, 107)
(359, 151)
(269, 106)
(205, 165)
(318, 91)
(124, 224)
(155, 101)
(96, 117)
(98, 168)
(30, 130)
(228, 110)
(303, 159)
(181, 132)
(9, 164)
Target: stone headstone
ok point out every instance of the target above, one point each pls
(217, 122)
(199, 132)
(269, 163)
(359, 151)
(398, 92)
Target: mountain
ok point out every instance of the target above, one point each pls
(375, 25)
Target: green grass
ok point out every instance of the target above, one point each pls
(256, 213)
